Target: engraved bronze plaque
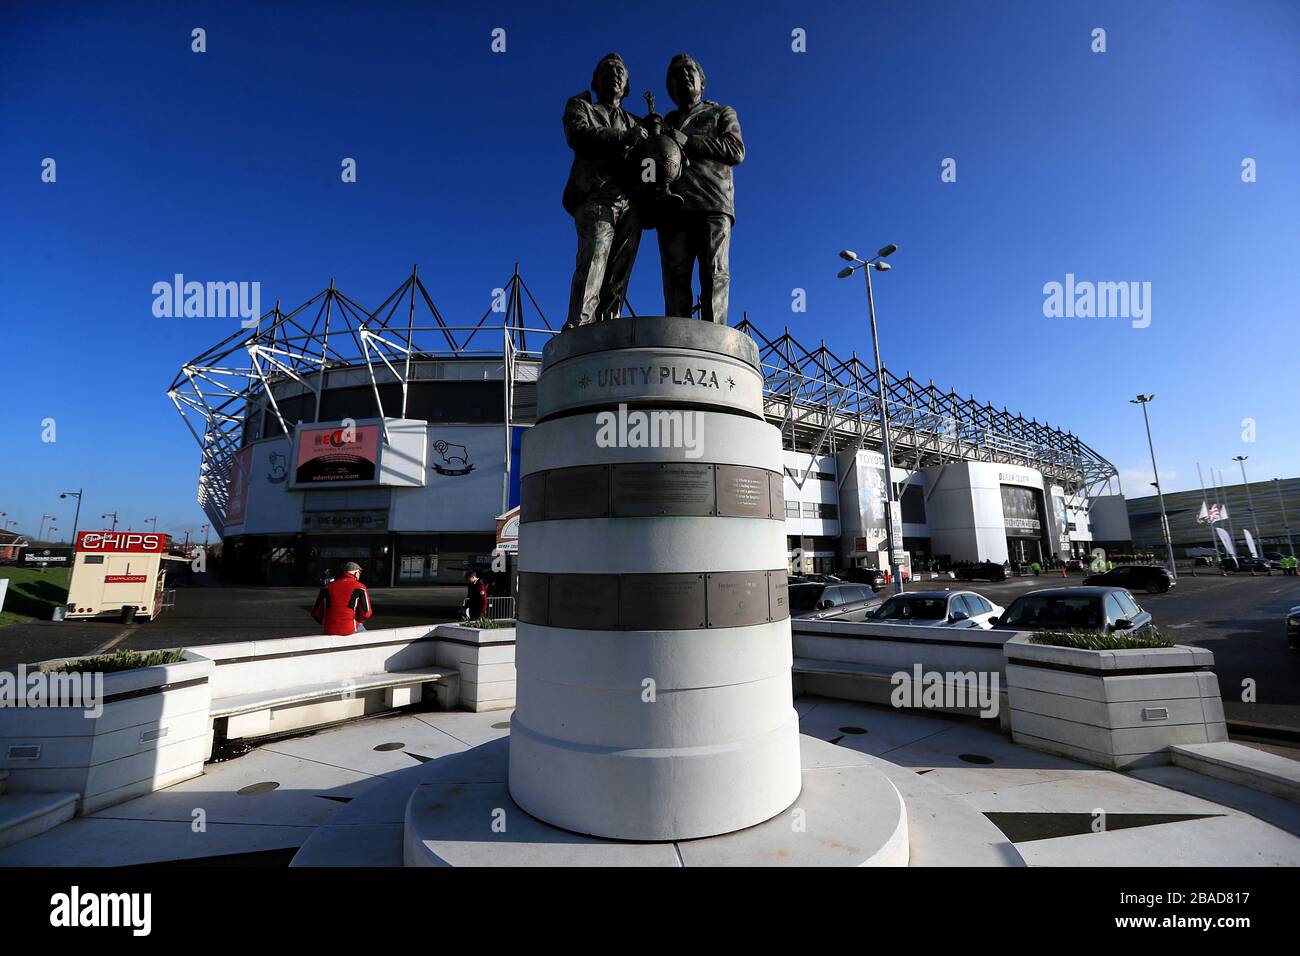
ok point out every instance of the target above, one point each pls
(737, 598)
(676, 488)
(661, 602)
(743, 492)
(581, 492)
(778, 589)
(533, 604)
(776, 491)
(532, 497)
(584, 601)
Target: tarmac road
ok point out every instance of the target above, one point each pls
(1240, 618)
(215, 615)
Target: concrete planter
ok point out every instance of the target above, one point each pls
(152, 732)
(485, 658)
(852, 660)
(1115, 709)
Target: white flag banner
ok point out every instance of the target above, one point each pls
(1227, 542)
(1204, 516)
(1250, 543)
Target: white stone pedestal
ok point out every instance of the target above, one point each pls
(653, 656)
(849, 813)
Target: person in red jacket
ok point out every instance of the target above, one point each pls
(343, 604)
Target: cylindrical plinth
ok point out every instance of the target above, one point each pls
(653, 698)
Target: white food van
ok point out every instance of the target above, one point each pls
(119, 574)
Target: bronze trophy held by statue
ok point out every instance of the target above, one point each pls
(654, 166)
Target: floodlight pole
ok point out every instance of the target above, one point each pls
(1160, 492)
(884, 440)
(1250, 502)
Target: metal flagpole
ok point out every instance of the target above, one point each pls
(1214, 537)
(1223, 493)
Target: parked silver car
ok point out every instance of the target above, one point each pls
(938, 609)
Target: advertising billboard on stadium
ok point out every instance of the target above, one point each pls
(330, 455)
(237, 490)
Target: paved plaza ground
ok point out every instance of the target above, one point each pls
(972, 797)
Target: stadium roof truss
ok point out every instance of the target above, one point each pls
(822, 403)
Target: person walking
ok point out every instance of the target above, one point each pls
(476, 600)
(343, 605)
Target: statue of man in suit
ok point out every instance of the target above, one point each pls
(601, 133)
(709, 135)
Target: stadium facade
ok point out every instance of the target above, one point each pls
(1268, 513)
(389, 437)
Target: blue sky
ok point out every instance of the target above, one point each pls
(1115, 166)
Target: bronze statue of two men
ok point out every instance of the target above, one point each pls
(669, 173)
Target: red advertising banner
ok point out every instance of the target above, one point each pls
(118, 542)
(337, 454)
(241, 470)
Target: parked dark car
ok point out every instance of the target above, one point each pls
(832, 602)
(1293, 628)
(1134, 577)
(874, 577)
(985, 571)
(1241, 563)
(1076, 609)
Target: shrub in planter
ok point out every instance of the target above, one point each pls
(1100, 640)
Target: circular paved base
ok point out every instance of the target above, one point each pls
(848, 814)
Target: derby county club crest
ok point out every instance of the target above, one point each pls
(455, 459)
(279, 469)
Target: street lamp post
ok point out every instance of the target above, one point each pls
(205, 529)
(1286, 523)
(40, 534)
(113, 515)
(867, 265)
(1164, 518)
(76, 518)
(1250, 502)
(154, 521)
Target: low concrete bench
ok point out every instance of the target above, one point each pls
(286, 685)
(873, 684)
(1244, 766)
(853, 660)
(305, 705)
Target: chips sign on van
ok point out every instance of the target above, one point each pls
(113, 542)
(119, 574)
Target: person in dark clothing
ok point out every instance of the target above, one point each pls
(343, 605)
(476, 601)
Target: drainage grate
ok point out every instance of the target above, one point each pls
(975, 758)
(852, 730)
(505, 726)
(382, 748)
(32, 752)
(256, 789)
